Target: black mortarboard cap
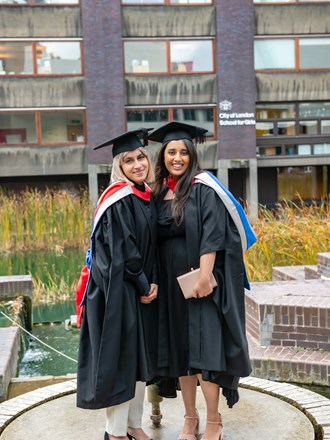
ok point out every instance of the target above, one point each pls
(178, 130)
(129, 141)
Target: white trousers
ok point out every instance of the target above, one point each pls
(127, 414)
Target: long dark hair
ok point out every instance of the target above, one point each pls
(184, 185)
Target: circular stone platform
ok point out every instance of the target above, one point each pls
(256, 416)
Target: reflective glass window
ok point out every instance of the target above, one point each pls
(274, 54)
(16, 58)
(13, 2)
(274, 1)
(314, 109)
(314, 53)
(304, 149)
(58, 57)
(17, 128)
(268, 151)
(56, 2)
(145, 57)
(190, 2)
(142, 2)
(203, 117)
(275, 111)
(62, 127)
(146, 118)
(191, 56)
(265, 128)
(287, 128)
(308, 127)
(325, 127)
(321, 148)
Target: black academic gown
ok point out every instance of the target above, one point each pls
(211, 329)
(118, 340)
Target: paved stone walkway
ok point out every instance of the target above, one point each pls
(266, 410)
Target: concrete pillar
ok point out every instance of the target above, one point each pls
(252, 190)
(222, 172)
(93, 184)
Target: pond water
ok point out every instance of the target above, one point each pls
(40, 360)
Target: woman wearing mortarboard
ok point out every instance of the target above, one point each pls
(200, 225)
(118, 344)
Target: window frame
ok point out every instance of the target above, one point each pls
(38, 129)
(167, 3)
(168, 42)
(296, 40)
(34, 42)
(32, 3)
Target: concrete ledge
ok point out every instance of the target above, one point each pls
(9, 350)
(13, 408)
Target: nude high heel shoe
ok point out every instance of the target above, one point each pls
(191, 436)
(216, 423)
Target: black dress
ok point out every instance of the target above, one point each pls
(118, 342)
(204, 335)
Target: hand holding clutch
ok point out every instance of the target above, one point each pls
(188, 280)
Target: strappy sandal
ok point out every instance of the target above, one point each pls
(191, 436)
(216, 423)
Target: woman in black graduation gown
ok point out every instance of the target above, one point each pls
(202, 339)
(117, 351)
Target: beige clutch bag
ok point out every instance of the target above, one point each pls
(188, 280)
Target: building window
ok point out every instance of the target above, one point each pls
(145, 118)
(191, 56)
(186, 56)
(166, 2)
(145, 57)
(18, 128)
(39, 2)
(292, 54)
(16, 58)
(41, 127)
(274, 54)
(58, 58)
(314, 53)
(154, 118)
(40, 58)
(277, 123)
(291, 1)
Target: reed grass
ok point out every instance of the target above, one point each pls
(291, 235)
(43, 220)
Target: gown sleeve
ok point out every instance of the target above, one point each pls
(216, 224)
(119, 240)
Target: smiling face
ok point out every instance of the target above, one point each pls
(135, 166)
(176, 158)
